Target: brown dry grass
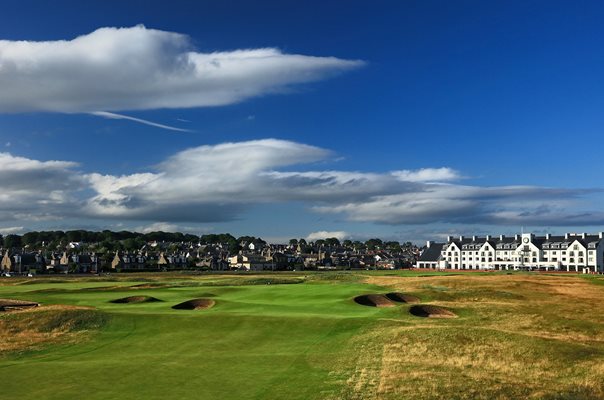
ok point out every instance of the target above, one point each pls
(518, 336)
(34, 328)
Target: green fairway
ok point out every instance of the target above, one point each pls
(291, 336)
(259, 341)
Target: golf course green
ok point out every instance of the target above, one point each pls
(260, 340)
(302, 336)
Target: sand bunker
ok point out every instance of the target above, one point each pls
(136, 299)
(374, 300)
(402, 297)
(195, 304)
(10, 304)
(428, 311)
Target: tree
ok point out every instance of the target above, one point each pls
(30, 238)
(132, 244)
(73, 236)
(373, 244)
(393, 246)
(293, 242)
(333, 241)
(11, 241)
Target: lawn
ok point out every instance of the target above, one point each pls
(301, 336)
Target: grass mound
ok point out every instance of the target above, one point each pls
(402, 297)
(195, 304)
(36, 328)
(135, 299)
(429, 311)
(10, 304)
(374, 300)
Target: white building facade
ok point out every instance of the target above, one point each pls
(572, 252)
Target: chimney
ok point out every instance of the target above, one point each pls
(449, 238)
(461, 238)
(473, 238)
(488, 237)
(601, 235)
(516, 237)
(548, 236)
(501, 237)
(428, 243)
(583, 235)
(566, 235)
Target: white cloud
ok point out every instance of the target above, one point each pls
(11, 230)
(116, 69)
(427, 175)
(340, 235)
(36, 189)
(203, 183)
(159, 226)
(222, 182)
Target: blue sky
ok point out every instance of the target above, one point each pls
(403, 120)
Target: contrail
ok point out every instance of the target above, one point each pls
(111, 115)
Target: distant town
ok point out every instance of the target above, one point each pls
(82, 252)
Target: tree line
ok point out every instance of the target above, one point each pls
(107, 240)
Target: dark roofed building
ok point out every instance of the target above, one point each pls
(431, 257)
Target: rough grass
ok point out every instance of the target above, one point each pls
(35, 328)
(519, 336)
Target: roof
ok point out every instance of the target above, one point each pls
(432, 253)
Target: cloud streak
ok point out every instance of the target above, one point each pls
(110, 115)
(118, 69)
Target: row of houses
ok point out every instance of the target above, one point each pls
(23, 262)
(273, 258)
(571, 252)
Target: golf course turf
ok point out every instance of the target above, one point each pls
(520, 335)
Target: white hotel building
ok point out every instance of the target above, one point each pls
(572, 252)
